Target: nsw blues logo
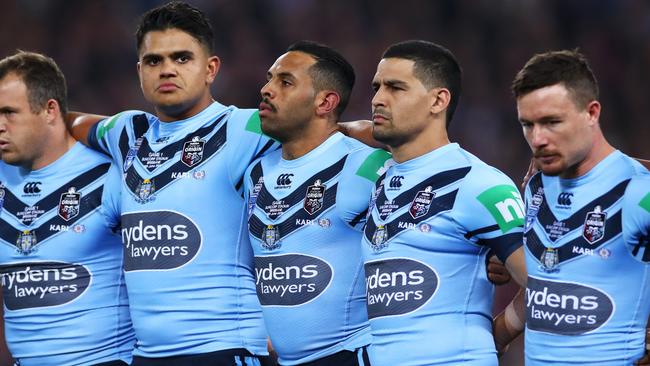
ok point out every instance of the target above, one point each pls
(594, 228)
(380, 238)
(145, 191)
(271, 236)
(26, 242)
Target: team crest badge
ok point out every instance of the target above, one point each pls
(69, 204)
(145, 190)
(421, 203)
(193, 152)
(550, 260)
(26, 242)
(380, 238)
(594, 228)
(271, 236)
(131, 154)
(314, 198)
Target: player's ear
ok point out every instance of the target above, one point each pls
(440, 99)
(326, 102)
(593, 109)
(214, 63)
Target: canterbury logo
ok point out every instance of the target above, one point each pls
(284, 179)
(564, 199)
(396, 181)
(32, 187)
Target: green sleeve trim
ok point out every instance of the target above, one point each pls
(254, 124)
(106, 126)
(374, 165)
(505, 205)
(645, 202)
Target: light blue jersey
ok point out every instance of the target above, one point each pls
(433, 220)
(61, 264)
(188, 262)
(588, 295)
(305, 221)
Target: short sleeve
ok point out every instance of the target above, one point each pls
(494, 215)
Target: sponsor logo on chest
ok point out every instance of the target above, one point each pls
(290, 279)
(159, 240)
(42, 284)
(398, 286)
(565, 308)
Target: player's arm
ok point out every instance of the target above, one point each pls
(80, 124)
(497, 272)
(509, 323)
(516, 265)
(361, 130)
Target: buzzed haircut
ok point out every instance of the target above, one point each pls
(434, 65)
(42, 77)
(330, 72)
(567, 67)
(177, 15)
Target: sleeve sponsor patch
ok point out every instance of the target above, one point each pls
(645, 202)
(505, 205)
(375, 165)
(106, 125)
(254, 124)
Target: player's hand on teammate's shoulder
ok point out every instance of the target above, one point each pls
(497, 272)
(532, 169)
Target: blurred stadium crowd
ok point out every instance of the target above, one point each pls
(93, 43)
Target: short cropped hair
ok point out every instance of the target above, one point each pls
(177, 15)
(567, 67)
(42, 77)
(330, 72)
(434, 65)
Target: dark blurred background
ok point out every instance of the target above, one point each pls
(93, 43)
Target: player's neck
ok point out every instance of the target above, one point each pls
(600, 150)
(307, 140)
(421, 144)
(57, 146)
(180, 112)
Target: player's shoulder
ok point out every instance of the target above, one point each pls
(247, 119)
(639, 188)
(483, 176)
(636, 168)
(365, 161)
(84, 154)
(121, 119)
